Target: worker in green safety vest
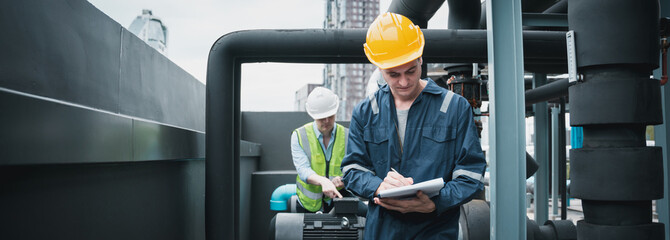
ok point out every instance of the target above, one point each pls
(317, 149)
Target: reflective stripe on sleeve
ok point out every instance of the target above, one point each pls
(373, 104)
(346, 168)
(309, 194)
(447, 100)
(463, 172)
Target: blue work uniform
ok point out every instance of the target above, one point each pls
(441, 140)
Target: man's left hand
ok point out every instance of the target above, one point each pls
(421, 203)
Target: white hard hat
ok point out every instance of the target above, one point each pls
(322, 103)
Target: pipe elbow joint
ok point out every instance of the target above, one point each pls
(281, 195)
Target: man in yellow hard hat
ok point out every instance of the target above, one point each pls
(317, 149)
(410, 131)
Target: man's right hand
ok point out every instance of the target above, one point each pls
(394, 180)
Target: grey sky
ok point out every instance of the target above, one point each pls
(195, 25)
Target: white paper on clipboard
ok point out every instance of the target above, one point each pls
(430, 188)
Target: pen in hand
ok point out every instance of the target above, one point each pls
(410, 182)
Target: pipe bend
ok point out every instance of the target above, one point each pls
(280, 196)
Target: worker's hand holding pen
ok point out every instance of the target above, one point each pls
(421, 203)
(394, 179)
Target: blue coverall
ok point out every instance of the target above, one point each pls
(441, 140)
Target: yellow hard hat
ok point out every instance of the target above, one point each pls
(393, 40)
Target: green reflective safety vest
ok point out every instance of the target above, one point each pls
(311, 195)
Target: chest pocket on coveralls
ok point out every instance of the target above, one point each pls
(377, 142)
(437, 142)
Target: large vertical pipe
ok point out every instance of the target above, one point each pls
(541, 154)
(614, 174)
(507, 126)
(221, 155)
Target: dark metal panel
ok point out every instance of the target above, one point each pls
(274, 136)
(39, 131)
(71, 51)
(192, 175)
(146, 200)
(248, 165)
(183, 98)
(249, 149)
(67, 51)
(152, 141)
(152, 87)
(143, 72)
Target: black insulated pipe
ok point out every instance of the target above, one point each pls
(475, 225)
(615, 174)
(559, 7)
(531, 165)
(419, 11)
(311, 46)
(464, 14)
(549, 91)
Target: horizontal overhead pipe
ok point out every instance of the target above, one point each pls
(542, 50)
(555, 89)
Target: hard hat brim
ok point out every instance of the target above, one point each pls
(329, 113)
(397, 61)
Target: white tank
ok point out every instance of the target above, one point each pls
(151, 30)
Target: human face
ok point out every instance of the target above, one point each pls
(404, 80)
(325, 125)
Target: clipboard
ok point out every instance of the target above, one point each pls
(430, 188)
